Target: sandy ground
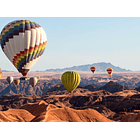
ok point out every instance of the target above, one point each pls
(44, 75)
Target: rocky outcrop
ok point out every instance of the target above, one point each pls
(113, 87)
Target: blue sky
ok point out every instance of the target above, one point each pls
(85, 40)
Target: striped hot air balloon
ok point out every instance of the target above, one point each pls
(93, 69)
(23, 42)
(109, 71)
(70, 80)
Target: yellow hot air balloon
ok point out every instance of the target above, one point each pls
(33, 81)
(70, 80)
(0, 72)
(38, 77)
(16, 81)
(109, 71)
(93, 69)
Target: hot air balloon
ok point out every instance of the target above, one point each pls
(0, 72)
(109, 71)
(16, 81)
(9, 79)
(70, 80)
(33, 81)
(93, 69)
(38, 77)
(23, 42)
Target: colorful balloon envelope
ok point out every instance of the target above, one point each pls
(33, 81)
(0, 72)
(70, 80)
(9, 79)
(23, 42)
(16, 81)
(109, 71)
(93, 69)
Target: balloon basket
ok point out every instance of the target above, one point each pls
(23, 78)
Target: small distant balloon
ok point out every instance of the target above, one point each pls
(109, 71)
(16, 81)
(93, 69)
(33, 81)
(38, 77)
(9, 79)
(70, 80)
(0, 72)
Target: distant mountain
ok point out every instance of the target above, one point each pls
(7, 71)
(100, 67)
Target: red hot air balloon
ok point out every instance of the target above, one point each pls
(109, 71)
(93, 69)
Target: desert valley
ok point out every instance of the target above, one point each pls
(98, 98)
